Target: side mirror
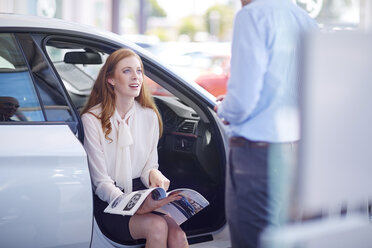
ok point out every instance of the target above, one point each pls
(85, 58)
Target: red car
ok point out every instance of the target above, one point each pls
(208, 64)
(215, 79)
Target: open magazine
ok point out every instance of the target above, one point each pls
(180, 210)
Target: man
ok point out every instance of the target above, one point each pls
(8, 107)
(261, 109)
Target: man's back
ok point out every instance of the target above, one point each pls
(264, 64)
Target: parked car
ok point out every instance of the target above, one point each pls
(208, 64)
(48, 66)
(215, 78)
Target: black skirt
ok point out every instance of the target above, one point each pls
(114, 226)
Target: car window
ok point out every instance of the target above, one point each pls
(79, 78)
(51, 93)
(18, 98)
(156, 89)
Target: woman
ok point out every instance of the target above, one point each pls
(122, 126)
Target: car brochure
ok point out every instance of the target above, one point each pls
(181, 210)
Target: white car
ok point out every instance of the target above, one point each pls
(47, 69)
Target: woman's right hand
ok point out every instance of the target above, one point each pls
(149, 204)
(157, 179)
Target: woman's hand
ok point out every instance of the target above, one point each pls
(150, 204)
(157, 179)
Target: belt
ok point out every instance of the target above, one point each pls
(240, 141)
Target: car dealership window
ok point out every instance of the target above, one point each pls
(18, 98)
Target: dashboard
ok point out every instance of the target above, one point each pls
(180, 124)
(177, 117)
(188, 146)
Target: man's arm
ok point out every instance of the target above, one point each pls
(248, 67)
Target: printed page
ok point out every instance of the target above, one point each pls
(190, 204)
(128, 204)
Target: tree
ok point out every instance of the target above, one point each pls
(190, 26)
(156, 9)
(220, 17)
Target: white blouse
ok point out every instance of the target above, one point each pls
(102, 153)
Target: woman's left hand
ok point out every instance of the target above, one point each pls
(157, 179)
(150, 204)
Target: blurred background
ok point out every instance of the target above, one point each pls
(192, 36)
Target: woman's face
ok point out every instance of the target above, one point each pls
(127, 79)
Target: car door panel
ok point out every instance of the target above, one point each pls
(45, 187)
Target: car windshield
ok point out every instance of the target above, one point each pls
(77, 78)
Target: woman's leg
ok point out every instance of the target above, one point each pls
(153, 228)
(176, 236)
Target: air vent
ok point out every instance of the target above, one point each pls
(187, 127)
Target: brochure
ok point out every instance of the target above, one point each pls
(181, 210)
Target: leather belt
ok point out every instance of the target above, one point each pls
(240, 141)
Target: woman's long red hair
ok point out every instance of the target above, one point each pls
(103, 92)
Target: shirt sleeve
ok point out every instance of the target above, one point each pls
(104, 186)
(249, 58)
(152, 161)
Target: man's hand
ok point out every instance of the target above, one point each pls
(219, 99)
(157, 179)
(150, 204)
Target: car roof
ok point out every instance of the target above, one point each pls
(19, 20)
(15, 21)
(21, 23)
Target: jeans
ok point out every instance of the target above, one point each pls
(249, 209)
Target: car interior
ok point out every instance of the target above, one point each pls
(191, 152)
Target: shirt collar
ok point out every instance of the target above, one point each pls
(116, 118)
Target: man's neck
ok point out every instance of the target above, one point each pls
(245, 2)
